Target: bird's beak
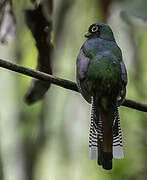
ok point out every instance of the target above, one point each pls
(88, 34)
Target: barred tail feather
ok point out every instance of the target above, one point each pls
(93, 146)
(95, 133)
(117, 139)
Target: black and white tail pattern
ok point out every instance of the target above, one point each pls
(117, 138)
(96, 132)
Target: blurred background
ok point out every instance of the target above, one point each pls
(48, 139)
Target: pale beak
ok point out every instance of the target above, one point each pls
(88, 34)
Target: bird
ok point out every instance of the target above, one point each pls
(101, 78)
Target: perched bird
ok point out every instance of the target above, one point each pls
(102, 79)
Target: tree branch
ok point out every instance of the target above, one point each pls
(39, 75)
(61, 82)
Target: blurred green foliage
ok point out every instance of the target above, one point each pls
(136, 8)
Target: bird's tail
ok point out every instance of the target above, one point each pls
(105, 140)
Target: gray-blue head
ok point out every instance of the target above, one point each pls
(100, 30)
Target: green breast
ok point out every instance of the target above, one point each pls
(103, 74)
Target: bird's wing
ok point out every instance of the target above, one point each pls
(122, 94)
(82, 65)
(123, 73)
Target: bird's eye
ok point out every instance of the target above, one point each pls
(94, 29)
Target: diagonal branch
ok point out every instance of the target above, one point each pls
(39, 75)
(61, 82)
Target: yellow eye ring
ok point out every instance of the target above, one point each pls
(94, 29)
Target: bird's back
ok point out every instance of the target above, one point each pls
(102, 79)
(94, 46)
(103, 72)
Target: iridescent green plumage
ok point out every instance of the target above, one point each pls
(101, 76)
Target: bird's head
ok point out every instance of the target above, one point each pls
(100, 30)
